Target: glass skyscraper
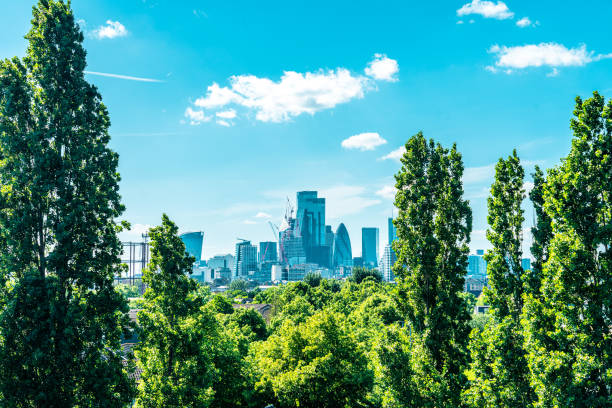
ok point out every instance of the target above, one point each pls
(392, 232)
(311, 225)
(343, 254)
(246, 260)
(369, 247)
(267, 252)
(193, 244)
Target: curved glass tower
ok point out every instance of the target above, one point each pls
(193, 244)
(343, 254)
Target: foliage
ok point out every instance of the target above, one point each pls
(178, 335)
(128, 291)
(359, 273)
(239, 285)
(63, 321)
(433, 228)
(220, 304)
(313, 364)
(499, 372)
(313, 279)
(567, 323)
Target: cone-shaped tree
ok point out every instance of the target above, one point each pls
(433, 228)
(63, 320)
(568, 323)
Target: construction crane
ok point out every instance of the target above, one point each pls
(243, 240)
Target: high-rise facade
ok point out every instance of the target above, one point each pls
(369, 247)
(291, 246)
(476, 264)
(246, 260)
(193, 244)
(392, 232)
(311, 225)
(388, 260)
(343, 254)
(267, 252)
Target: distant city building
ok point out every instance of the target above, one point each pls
(526, 264)
(392, 232)
(329, 243)
(357, 261)
(311, 225)
(475, 284)
(291, 245)
(193, 244)
(476, 264)
(388, 260)
(276, 273)
(267, 252)
(246, 260)
(221, 261)
(369, 247)
(343, 254)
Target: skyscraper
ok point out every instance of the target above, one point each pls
(369, 247)
(392, 232)
(193, 244)
(267, 252)
(343, 254)
(388, 260)
(246, 260)
(476, 264)
(311, 225)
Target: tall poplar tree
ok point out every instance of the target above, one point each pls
(541, 233)
(59, 198)
(178, 336)
(567, 324)
(433, 224)
(499, 373)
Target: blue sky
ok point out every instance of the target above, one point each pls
(245, 103)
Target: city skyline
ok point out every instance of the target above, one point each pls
(174, 76)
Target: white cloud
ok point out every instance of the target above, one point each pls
(112, 29)
(460, 22)
(526, 22)
(263, 215)
(223, 123)
(217, 97)
(346, 200)
(395, 154)
(228, 114)
(129, 78)
(387, 192)
(295, 93)
(544, 54)
(487, 9)
(382, 68)
(196, 116)
(528, 186)
(478, 174)
(363, 141)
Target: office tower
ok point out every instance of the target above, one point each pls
(193, 244)
(343, 254)
(291, 246)
(476, 264)
(388, 260)
(392, 232)
(357, 261)
(246, 260)
(311, 225)
(222, 261)
(369, 247)
(267, 252)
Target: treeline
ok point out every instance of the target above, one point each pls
(359, 343)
